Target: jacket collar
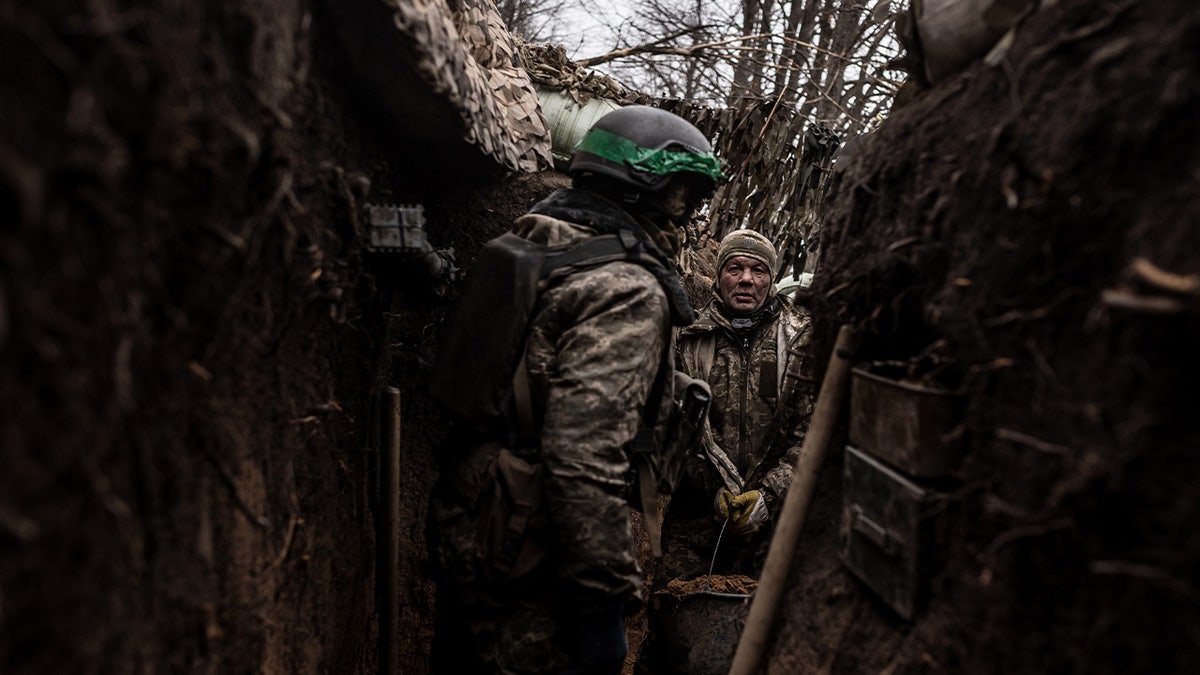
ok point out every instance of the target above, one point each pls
(712, 316)
(604, 216)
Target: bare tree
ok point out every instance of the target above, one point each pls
(665, 60)
(779, 83)
(533, 20)
(824, 58)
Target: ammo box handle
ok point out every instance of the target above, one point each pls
(883, 538)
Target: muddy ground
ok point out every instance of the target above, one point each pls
(193, 340)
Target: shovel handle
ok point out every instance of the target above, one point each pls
(753, 642)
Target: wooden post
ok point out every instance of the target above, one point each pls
(389, 543)
(763, 605)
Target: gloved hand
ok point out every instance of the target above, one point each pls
(747, 512)
(722, 503)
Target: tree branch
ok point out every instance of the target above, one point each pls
(655, 48)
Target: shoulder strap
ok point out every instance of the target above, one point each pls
(594, 251)
(783, 406)
(644, 440)
(645, 478)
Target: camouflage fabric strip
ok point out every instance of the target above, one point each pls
(659, 162)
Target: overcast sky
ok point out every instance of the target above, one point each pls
(583, 27)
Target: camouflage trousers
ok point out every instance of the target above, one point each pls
(524, 630)
(479, 634)
(524, 626)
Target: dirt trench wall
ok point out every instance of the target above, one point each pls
(189, 338)
(1002, 213)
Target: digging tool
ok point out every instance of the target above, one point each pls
(713, 562)
(389, 489)
(765, 601)
(697, 627)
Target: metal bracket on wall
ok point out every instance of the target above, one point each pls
(400, 230)
(886, 540)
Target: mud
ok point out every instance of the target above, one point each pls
(712, 583)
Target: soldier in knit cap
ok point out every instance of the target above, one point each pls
(752, 347)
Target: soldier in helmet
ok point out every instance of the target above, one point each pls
(595, 355)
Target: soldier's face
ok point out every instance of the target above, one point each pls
(681, 197)
(743, 283)
(675, 201)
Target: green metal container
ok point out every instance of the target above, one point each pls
(889, 531)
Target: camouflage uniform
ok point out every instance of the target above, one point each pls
(596, 342)
(748, 384)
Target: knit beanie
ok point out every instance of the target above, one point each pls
(750, 244)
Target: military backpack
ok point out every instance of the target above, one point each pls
(481, 380)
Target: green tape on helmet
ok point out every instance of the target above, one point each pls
(659, 162)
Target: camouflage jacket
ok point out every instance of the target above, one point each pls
(751, 375)
(596, 342)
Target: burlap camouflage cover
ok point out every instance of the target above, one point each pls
(467, 56)
(550, 67)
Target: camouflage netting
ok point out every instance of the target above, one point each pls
(468, 57)
(777, 162)
(778, 165)
(549, 66)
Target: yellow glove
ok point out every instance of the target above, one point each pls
(748, 511)
(723, 503)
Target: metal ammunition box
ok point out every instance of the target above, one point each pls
(914, 427)
(888, 531)
(397, 229)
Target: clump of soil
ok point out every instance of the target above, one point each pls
(713, 583)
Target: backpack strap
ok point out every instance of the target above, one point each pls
(593, 250)
(523, 399)
(598, 250)
(643, 478)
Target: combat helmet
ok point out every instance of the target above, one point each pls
(643, 147)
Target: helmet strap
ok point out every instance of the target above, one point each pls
(632, 198)
(666, 238)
